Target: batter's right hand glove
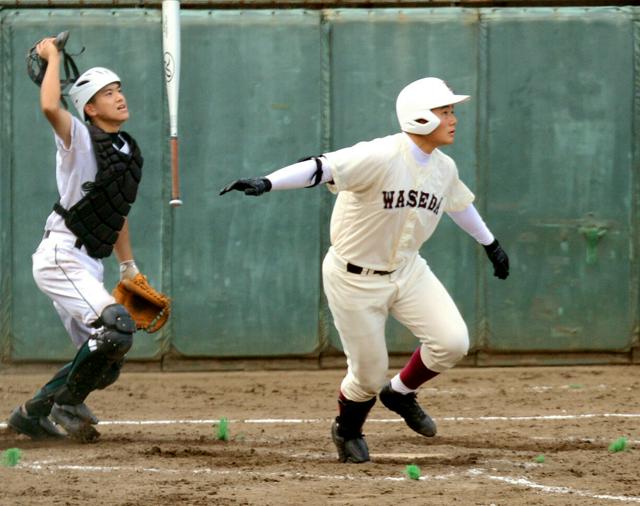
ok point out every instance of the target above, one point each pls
(252, 186)
(498, 258)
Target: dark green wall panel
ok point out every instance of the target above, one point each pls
(548, 143)
(560, 122)
(5, 193)
(248, 268)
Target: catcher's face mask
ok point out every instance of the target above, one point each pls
(36, 66)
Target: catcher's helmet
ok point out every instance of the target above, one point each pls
(88, 84)
(415, 101)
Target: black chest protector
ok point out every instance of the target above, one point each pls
(97, 218)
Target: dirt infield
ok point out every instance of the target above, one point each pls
(159, 444)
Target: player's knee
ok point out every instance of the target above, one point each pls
(372, 385)
(457, 345)
(116, 335)
(369, 383)
(116, 316)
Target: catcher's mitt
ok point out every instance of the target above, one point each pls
(149, 308)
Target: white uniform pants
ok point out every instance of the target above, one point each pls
(73, 281)
(360, 305)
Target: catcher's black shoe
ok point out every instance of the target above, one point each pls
(408, 408)
(36, 427)
(353, 450)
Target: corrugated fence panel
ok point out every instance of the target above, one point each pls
(246, 270)
(547, 144)
(36, 330)
(5, 194)
(560, 177)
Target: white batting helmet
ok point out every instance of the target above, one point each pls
(88, 84)
(416, 100)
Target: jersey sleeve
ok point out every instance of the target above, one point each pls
(458, 196)
(80, 139)
(356, 168)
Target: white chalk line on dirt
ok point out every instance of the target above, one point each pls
(580, 439)
(50, 466)
(524, 482)
(267, 421)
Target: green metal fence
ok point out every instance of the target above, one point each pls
(549, 144)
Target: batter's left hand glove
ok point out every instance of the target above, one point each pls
(498, 258)
(149, 308)
(252, 186)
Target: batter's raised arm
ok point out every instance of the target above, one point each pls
(50, 92)
(304, 174)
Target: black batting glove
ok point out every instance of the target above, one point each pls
(251, 186)
(498, 258)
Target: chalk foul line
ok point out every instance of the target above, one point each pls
(50, 465)
(267, 421)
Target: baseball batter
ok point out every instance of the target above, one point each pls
(98, 169)
(392, 193)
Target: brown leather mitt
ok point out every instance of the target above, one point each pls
(149, 308)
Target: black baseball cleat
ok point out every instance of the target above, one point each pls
(36, 427)
(352, 450)
(408, 408)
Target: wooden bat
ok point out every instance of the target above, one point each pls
(171, 50)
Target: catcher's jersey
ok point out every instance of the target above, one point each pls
(389, 201)
(75, 166)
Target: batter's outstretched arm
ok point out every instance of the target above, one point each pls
(304, 174)
(59, 117)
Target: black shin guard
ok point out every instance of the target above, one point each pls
(110, 376)
(82, 376)
(93, 366)
(41, 403)
(96, 365)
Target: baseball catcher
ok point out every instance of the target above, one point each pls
(98, 170)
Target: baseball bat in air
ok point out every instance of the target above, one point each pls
(171, 52)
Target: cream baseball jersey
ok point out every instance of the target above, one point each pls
(389, 203)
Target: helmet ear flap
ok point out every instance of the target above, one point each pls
(424, 124)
